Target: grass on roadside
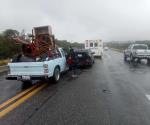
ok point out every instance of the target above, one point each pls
(4, 62)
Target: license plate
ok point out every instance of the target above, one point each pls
(26, 77)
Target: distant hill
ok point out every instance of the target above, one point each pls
(123, 45)
(65, 44)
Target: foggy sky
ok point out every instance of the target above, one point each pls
(78, 20)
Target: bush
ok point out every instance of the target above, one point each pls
(4, 62)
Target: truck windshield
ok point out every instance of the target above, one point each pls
(140, 47)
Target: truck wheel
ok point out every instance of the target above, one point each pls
(56, 75)
(139, 61)
(93, 61)
(148, 61)
(132, 58)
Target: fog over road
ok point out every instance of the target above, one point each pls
(112, 92)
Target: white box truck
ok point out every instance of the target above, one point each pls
(96, 46)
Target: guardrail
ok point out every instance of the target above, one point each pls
(3, 69)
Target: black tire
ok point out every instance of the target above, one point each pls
(132, 58)
(93, 61)
(139, 61)
(56, 75)
(148, 61)
(100, 57)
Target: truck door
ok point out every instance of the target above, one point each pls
(63, 63)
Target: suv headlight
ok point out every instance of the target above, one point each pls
(135, 53)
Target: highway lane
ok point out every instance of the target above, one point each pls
(8, 88)
(112, 92)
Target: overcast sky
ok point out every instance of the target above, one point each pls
(78, 20)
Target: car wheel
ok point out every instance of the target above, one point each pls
(56, 75)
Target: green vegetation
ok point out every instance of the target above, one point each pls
(4, 62)
(8, 47)
(65, 44)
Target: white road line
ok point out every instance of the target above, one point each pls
(148, 97)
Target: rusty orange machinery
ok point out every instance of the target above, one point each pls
(42, 42)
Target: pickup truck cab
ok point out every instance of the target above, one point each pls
(38, 70)
(137, 52)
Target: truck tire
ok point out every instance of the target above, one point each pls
(132, 58)
(139, 61)
(93, 61)
(148, 61)
(100, 57)
(56, 75)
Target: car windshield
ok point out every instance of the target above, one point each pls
(143, 47)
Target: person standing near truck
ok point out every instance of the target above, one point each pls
(72, 61)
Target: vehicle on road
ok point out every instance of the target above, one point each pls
(137, 52)
(40, 59)
(85, 58)
(96, 46)
(39, 70)
(105, 48)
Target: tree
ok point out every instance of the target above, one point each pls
(8, 47)
(10, 33)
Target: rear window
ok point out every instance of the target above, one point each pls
(140, 47)
(82, 55)
(91, 44)
(96, 44)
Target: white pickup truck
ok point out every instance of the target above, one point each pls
(38, 70)
(137, 52)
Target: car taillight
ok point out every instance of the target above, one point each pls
(45, 68)
(8, 69)
(45, 65)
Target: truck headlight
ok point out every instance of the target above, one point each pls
(135, 53)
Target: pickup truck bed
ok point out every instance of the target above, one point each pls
(25, 71)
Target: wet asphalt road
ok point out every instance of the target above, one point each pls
(112, 92)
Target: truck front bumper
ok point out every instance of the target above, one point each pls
(26, 78)
(142, 56)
